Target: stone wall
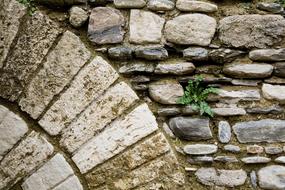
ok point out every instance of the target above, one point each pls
(89, 95)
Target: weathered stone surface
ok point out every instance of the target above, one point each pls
(253, 179)
(100, 113)
(140, 21)
(224, 132)
(228, 178)
(168, 131)
(129, 3)
(12, 128)
(168, 111)
(280, 159)
(209, 69)
(274, 92)
(270, 7)
(3, 112)
(61, 65)
(129, 160)
(251, 31)
(253, 70)
(49, 175)
(232, 148)
(61, 2)
(279, 69)
(200, 149)
(137, 67)
(243, 82)
(188, 110)
(120, 52)
(275, 80)
(88, 85)
(160, 5)
(130, 129)
(275, 109)
(77, 16)
(254, 149)
(29, 154)
(273, 150)
(226, 159)
(106, 26)
(70, 183)
(276, 175)
(239, 94)
(224, 55)
(266, 130)
(229, 111)
(191, 29)
(166, 91)
(196, 6)
(151, 53)
(267, 55)
(189, 128)
(200, 160)
(195, 54)
(175, 68)
(11, 16)
(255, 160)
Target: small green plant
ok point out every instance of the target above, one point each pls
(282, 2)
(29, 4)
(196, 95)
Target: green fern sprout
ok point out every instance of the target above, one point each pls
(29, 4)
(196, 95)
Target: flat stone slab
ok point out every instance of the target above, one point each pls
(70, 183)
(100, 113)
(246, 95)
(266, 130)
(174, 68)
(129, 4)
(88, 85)
(227, 112)
(280, 159)
(270, 7)
(196, 54)
(151, 53)
(279, 70)
(136, 67)
(196, 6)
(61, 65)
(267, 55)
(49, 175)
(255, 160)
(276, 175)
(227, 178)
(200, 149)
(274, 92)
(224, 132)
(160, 5)
(129, 129)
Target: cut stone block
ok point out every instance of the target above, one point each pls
(70, 183)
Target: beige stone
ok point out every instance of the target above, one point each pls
(196, 6)
(70, 183)
(274, 92)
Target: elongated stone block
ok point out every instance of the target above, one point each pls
(70, 183)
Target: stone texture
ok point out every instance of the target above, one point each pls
(139, 21)
(151, 53)
(251, 31)
(168, 111)
(12, 128)
(196, 6)
(232, 148)
(224, 55)
(77, 16)
(130, 129)
(189, 128)
(130, 4)
(166, 91)
(273, 150)
(274, 109)
(195, 54)
(226, 159)
(245, 95)
(227, 178)
(62, 3)
(106, 26)
(267, 55)
(70, 183)
(201, 160)
(60, 66)
(280, 159)
(224, 132)
(120, 52)
(3, 112)
(136, 67)
(253, 70)
(88, 85)
(200, 149)
(270, 7)
(255, 160)
(227, 112)
(265, 130)
(191, 29)
(279, 69)
(160, 5)
(274, 92)
(49, 175)
(253, 179)
(174, 68)
(254, 149)
(168, 131)
(100, 113)
(276, 175)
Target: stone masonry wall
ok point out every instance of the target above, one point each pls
(89, 94)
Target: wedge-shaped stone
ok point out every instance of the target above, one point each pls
(12, 128)
(118, 136)
(266, 130)
(61, 65)
(70, 183)
(28, 155)
(101, 112)
(126, 162)
(49, 175)
(91, 81)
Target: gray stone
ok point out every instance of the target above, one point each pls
(224, 132)
(267, 55)
(200, 149)
(251, 31)
(151, 53)
(226, 159)
(275, 80)
(200, 159)
(196, 6)
(253, 70)
(130, 4)
(3, 112)
(274, 92)
(209, 69)
(141, 20)
(160, 5)
(253, 179)
(70, 183)
(244, 95)
(168, 131)
(188, 110)
(195, 54)
(174, 68)
(279, 69)
(168, 111)
(266, 130)
(224, 55)
(232, 148)
(273, 150)
(280, 159)
(270, 7)
(191, 29)
(226, 112)
(166, 91)
(77, 16)
(120, 52)
(140, 79)
(275, 109)
(227, 178)
(254, 149)
(189, 128)
(106, 26)
(243, 82)
(276, 175)
(255, 160)
(136, 67)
